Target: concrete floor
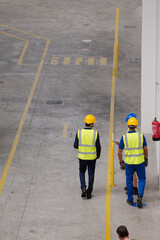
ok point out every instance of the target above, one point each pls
(41, 194)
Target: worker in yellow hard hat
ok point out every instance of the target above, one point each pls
(87, 142)
(136, 158)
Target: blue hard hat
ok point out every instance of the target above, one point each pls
(130, 115)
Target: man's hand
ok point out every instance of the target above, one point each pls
(116, 142)
(122, 164)
(146, 162)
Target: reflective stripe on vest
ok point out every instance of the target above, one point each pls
(86, 147)
(133, 148)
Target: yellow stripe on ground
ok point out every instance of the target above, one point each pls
(65, 130)
(91, 61)
(66, 60)
(108, 187)
(23, 52)
(29, 64)
(17, 137)
(54, 60)
(11, 35)
(25, 46)
(17, 30)
(78, 61)
(103, 61)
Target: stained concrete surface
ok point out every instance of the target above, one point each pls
(41, 195)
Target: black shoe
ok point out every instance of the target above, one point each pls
(89, 196)
(135, 191)
(130, 202)
(84, 192)
(139, 201)
(125, 188)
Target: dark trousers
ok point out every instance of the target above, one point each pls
(140, 170)
(83, 164)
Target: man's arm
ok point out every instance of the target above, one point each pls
(98, 146)
(76, 142)
(145, 149)
(120, 155)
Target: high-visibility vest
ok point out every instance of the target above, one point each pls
(133, 148)
(86, 147)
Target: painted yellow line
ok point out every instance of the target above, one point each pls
(91, 61)
(23, 52)
(108, 187)
(54, 60)
(66, 60)
(25, 46)
(29, 64)
(65, 129)
(78, 61)
(103, 61)
(17, 30)
(17, 137)
(14, 36)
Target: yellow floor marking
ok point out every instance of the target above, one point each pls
(25, 46)
(91, 61)
(11, 35)
(108, 187)
(23, 52)
(66, 60)
(17, 137)
(65, 129)
(103, 61)
(54, 60)
(78, 61)
(17, 30)
(29, 64)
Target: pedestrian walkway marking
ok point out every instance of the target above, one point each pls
(90, 61)
(111, 123)
(103, 61)
(65, 130)
(54, 60)
(18, 134)
(78, 61)
(66, 60)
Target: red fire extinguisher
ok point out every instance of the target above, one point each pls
(156, 130)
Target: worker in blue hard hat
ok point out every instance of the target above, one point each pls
(135, 189)
(136, 158)
(122, 164)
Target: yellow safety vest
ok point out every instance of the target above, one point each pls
(133, 148)
(86, 147)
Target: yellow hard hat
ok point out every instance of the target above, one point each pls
(132, 122)
(89, 119)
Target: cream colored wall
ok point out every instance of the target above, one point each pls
(150, 79)
(148, 59)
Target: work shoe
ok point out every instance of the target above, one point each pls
(84, 192)
(135, 191)
(130, 202)
(139, 201)
(89, 196)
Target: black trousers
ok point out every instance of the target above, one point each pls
(83, 165)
